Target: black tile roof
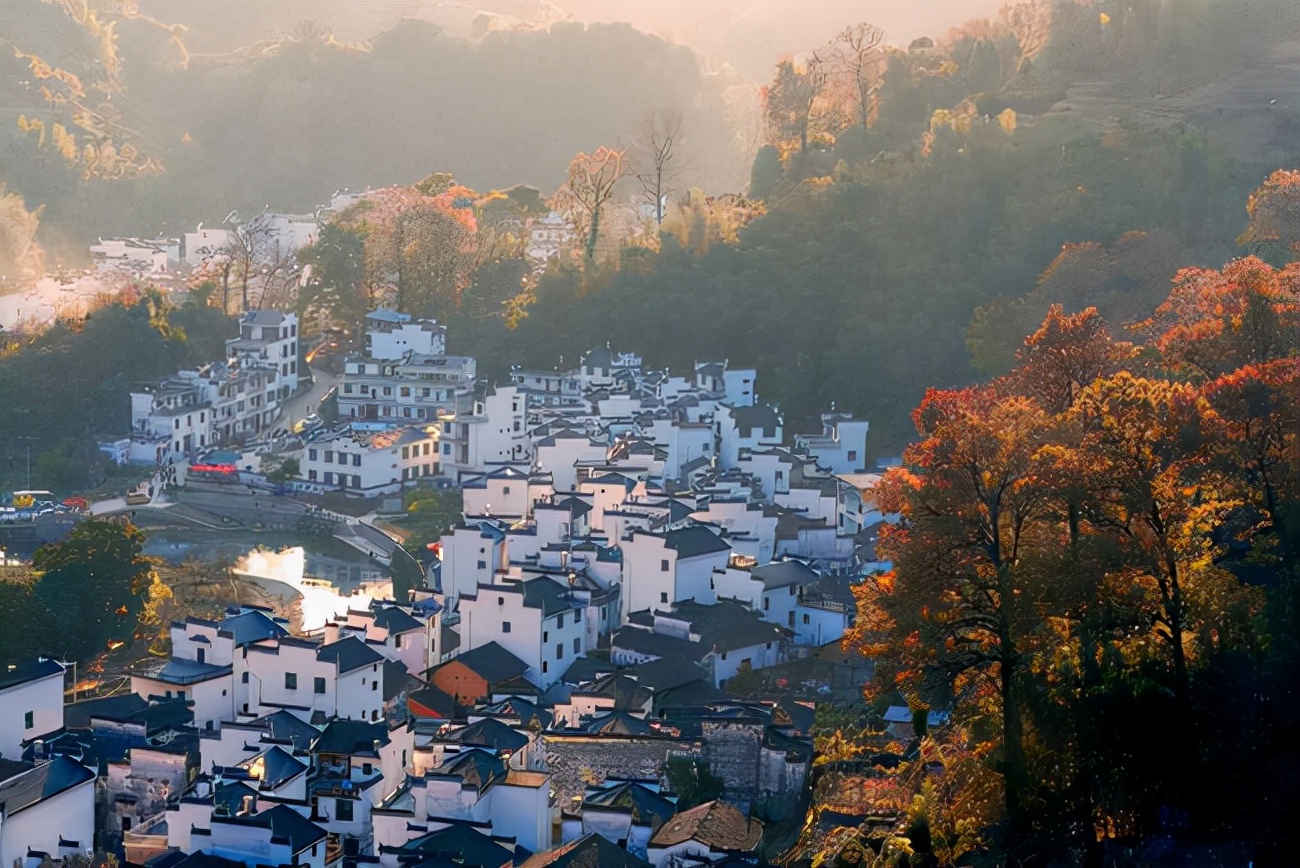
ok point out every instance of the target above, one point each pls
(349, 654)
(44, 781)
(351, 738)
(759, 416)
(252, 626)
(284, 822)
(21, 673)
(728, 625)
(641, 641)
(694, 541)
(781, 574)
(649, 807)
(488, 732)
(275, 766)
(459, 844)
(590, 851)
(396, 620)
(287, 727)
(490, 662)
(115, 708)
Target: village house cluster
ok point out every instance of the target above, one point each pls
(232, 400)
(637, 550)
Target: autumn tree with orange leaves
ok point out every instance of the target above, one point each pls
(1094, 550)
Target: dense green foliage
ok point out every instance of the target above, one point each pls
(692, 782)
(70, 386)
(90, 589)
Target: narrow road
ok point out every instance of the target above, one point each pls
(303, 404)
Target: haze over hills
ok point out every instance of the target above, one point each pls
(747, 34)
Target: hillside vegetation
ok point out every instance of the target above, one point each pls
(908, 254)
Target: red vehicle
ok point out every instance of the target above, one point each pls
(215, 472)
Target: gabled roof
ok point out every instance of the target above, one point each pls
(251, 626)
(459, 844)
(479, 768)
(284, 822)
(657, 645)
(762, 417)
(518, 708)
(694, 541)
(396, 620)
(274, 766)
(442, 704)
(648, 806)
(397, 679)
(716, 825)
(589, 851)
(25, 672)
(487, 732)
(782, 574)
(285, 726)
(351, 738)
(616, 723)
(349, 654)
(45, 781)
(666, 674)
(490, 662)
(728, 625)
(548, 595)
(113, 708)
(626, 692)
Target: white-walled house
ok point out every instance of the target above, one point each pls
(855, 502)
(268, 339)
(750, 527)
(622, 811)
(726, 638)
(560, 452)
(364, 462)
(493, 433)
(275, 836)
(391, 335)
(753, 428)
(506, 491)
(842, 445)
(772, 589)
(413, 390)
(472, 554)
(31, 705)
(343, 678)
(539, 620)
(48, 807)
(472, 785)
(662, 569)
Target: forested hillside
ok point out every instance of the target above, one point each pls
(287, 121)
(908, 254)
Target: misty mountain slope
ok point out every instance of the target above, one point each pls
(287, 128)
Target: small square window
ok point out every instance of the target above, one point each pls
(505, 626)
(318, 685)
(291, 681)
(343, 810)
(663, 566)
(663, 597)
(559, 651)
(482, 565)
(29, 720)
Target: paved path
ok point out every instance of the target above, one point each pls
(302, 405)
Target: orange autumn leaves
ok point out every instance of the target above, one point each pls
(1100, 482)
